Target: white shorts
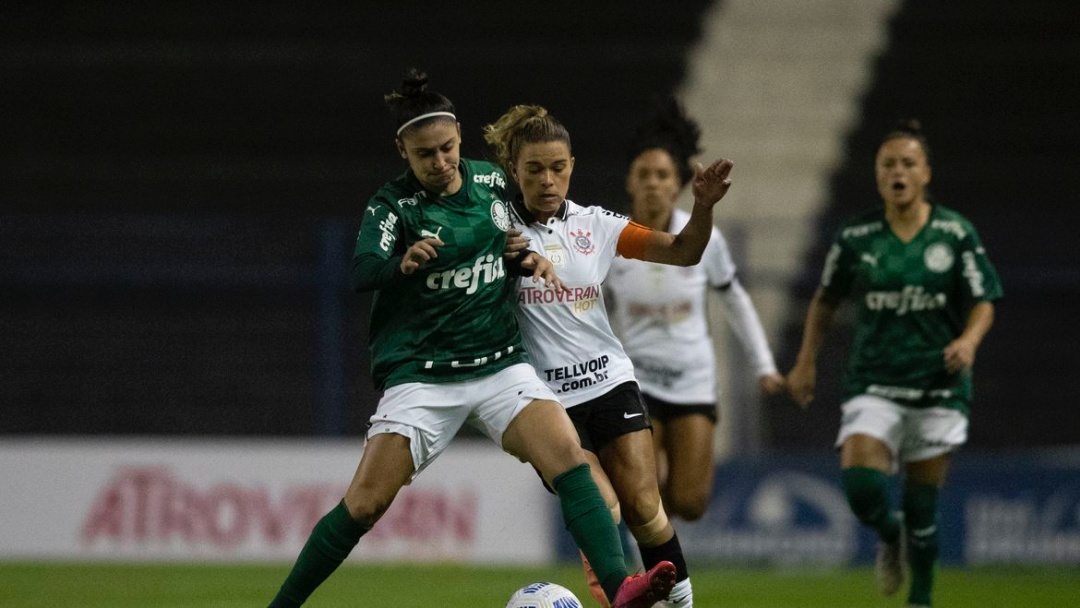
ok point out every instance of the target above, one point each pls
(430, 415)
(912, 434)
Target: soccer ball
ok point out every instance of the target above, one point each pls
(543, 595)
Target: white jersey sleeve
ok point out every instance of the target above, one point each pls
(743, 320)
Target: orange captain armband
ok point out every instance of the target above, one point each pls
(632, 241)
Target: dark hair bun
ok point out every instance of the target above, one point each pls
(414, 83)
(910, 125)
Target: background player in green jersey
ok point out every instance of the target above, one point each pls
(924, 290)
(446, 350)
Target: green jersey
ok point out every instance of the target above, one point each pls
(452, 319)
(912, 300)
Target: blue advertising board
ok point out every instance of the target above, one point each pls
(1000, 508)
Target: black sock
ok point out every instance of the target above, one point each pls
(670, 551)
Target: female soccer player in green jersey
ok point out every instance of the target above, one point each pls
(924, 290)
(446, 350)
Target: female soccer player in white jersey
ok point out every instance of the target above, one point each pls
(924, 291)
(659, 313)
(446, 350)
(566, 331)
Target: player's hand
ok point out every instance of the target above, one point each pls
(772, 384)
(515, 242)
(542, 269)
(800, 383)
(959, 355)
(712, 183)
(418, 254)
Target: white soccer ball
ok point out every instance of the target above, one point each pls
(543, 595)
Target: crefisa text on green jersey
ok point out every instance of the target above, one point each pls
(489, 268)
(912, 298)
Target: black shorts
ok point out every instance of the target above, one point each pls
(665, 410)
(618, 412)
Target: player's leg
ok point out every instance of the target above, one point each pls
(412, 425)
(922, 483)
(930, 436)
(542, 435)
(659, 441)
(384, 468)
(629, 463)
(612, 502)
(868, 445)
(529, 423)
(689, 440)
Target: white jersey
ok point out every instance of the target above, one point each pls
(567, 334)
(660, 314)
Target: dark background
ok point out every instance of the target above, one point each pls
(181, 183)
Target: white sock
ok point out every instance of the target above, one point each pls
(682, 595)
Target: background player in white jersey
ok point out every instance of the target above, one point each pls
(924, 291)
(659, 312)
(566, 332)
(446, 350)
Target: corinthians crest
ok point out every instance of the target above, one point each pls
(582, 241)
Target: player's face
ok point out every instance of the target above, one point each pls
(653, 182)
(542, 171)
(902, 172)
(433, 151)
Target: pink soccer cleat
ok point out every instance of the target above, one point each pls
(644, 590)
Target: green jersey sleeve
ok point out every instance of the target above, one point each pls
(981, 281)
(379, 247)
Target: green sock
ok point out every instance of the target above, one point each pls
(589, 522)
(920, 516)
(329, 544)
(867, 493)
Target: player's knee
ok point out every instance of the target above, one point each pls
(688, 506)
(366, 509)
(655, 531)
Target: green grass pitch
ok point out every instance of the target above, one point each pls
(71, 585)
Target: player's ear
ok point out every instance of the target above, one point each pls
(513, 172)
(401, 148)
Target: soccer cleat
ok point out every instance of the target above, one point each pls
(594, 584)
(890, 562)
(644, 590)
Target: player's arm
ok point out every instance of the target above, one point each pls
(745, 323)
(802, 378)
(982, 287)
(836, 280)
(683, 249)
(377, 257)
(960, 353)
